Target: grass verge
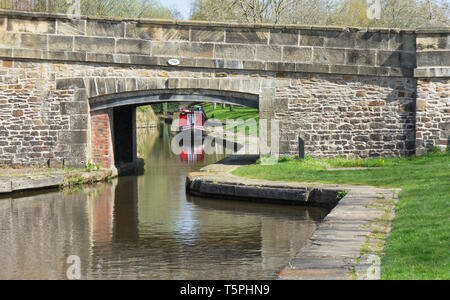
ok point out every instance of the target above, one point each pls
(418, 246)
(238, 113)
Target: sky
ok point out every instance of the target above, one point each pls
(183, 6)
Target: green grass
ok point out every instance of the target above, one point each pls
(419, 244)
(238, 113)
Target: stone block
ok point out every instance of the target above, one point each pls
(130, 46)
(8, 39)
(235, 51)
(78, 150)
(22, 184)
(32, 26)
(74, 108)
(360, 57)
(105, 28)
(165, 49)
(402, 42)
(144, 60)
(253, 65)
(312, 38)
(199, 34)
(340, 39)
(27, 53)
(343, 69)
(280, 67)
(70, 84)
(5, 185)
(433, 42)
(372, 40)
(60, 43)
(200, 50)
(72, 137)
(33, 41)
(78, 122)
(329, 56)
(71, 27)
(296, 54)
(247, 36)
(284, 37)
(433, 58)
(312, 68)
(157, 32)
(65, 55)
(93, 44)
(268, 53)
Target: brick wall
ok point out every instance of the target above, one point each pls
(101, 143)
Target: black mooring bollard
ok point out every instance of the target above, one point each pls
(301, 148)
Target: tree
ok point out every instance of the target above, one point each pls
(394, 13)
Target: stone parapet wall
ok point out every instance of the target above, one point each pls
(286, 48)
(349, 116)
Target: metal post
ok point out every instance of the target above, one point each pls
(301, 148)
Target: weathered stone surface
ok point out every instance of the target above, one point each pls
(60, 43)
(129, 46)
(33, 41)
(372, 40)
(105, 28)
(329, 56)
(9, 39)
(202, 50)
(295, 54)
(36, 183)
(312, 38)
(5, 185)
(361, 57)
(433, 58)
(235, 51)
(199, 34)
(94, 44)
(268, 53)
(247, 36)
(341, 39)
(284, 37)
(71, 27)
(32, 26)
(68, 84)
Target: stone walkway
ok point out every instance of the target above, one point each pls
(18, 180)
(348, 244)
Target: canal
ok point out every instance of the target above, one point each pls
(146, 227)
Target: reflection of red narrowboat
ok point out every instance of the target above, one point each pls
(192, 154)
(192, 119)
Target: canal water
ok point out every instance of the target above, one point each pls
(146, 227)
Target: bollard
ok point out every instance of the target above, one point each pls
(301, 148)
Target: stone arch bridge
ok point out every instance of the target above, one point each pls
(67, 84)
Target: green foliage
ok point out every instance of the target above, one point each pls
(237, 113)
(417, 247)
(112, 8)
(341, 195)
(394, 13)
(92, 167)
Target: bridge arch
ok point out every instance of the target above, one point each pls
(113, 117)
(146, 97)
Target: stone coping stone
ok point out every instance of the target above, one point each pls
(35, 180)
(347, 244)
(29, 15)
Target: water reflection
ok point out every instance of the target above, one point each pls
(147, 228)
